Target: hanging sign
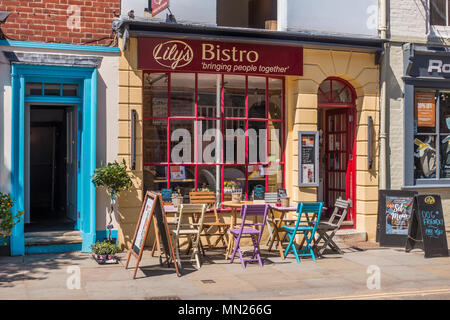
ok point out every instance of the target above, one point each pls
(308, 162)
(218, 57)
(158, 6)
(427, 228)
(394, 214)
(425, 109)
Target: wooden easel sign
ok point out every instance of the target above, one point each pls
(427, 228)
(152, 209)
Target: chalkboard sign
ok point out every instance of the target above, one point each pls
(166, 195)
(258, 193)
(427, 228)
(152, 209)
(308, 162)
(394, 214)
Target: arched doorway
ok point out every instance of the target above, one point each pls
(336, 119)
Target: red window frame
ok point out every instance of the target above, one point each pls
(222, 118)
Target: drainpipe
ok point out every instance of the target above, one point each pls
(383, 110)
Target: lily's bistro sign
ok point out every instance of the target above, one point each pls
(218, 57)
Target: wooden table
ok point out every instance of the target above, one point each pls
(234, 208)
(275, 235)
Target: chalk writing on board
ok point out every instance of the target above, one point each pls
(433, 223)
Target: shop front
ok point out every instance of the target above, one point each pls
(206, 112)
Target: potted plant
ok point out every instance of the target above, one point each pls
(114, 178)
(7, 221)
(104, 252)
(233, 187)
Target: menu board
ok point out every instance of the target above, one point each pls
(308, 142)
(394, 214)
(258, 193)
(427, 227)
(152, 209)
(425, 109)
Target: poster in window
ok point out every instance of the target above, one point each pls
(308, 158)
(425, 109)
(177, 173)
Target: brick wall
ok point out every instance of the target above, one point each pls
(60, 21)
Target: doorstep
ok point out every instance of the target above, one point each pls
(52, 241)
(350, 235)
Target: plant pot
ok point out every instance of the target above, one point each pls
(284, 202)
(236, 197)
(101, 259)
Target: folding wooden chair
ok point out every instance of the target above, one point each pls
(306, 227)
(327, 229)
(250, 230)
(208, 226)
(188, 228)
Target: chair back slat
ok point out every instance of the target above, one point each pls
(304, 208)
(191, 209)
(340, 212)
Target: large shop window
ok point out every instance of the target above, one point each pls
(202, 131)
(432, 135)
(439, 12)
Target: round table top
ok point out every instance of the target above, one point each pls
(231, 204)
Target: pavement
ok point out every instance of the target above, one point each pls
(365, 271)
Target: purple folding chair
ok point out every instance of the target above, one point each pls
(250, 230)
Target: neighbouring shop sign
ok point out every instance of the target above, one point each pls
(158, 6)
(218, 57)
(308, 154)
(426, 109)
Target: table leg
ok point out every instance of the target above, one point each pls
(231, 239)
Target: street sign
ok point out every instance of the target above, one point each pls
(158, 6)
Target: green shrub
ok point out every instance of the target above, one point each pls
(7, 219)
(104, 248)
(113, 177)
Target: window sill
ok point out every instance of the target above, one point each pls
(427, 186)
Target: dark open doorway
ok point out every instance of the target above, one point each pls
(52, 169)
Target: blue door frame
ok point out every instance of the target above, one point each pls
(87, 102)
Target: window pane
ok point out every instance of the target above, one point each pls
(256, 97)
(206, 100)
(155, 178)
(275, 178)
(437, 12)
(256, 177)
(425, 157)
(182, 179)
(155, 94)
(181, 141)
(445, 156)
(207, 176)
(425, 111)
(324, 91)
(275, 98)
(155, 140)
(257, 141)
(33, 89)
(208, 142)
(52, 89)
(444, 112)
(234, 141)
(236, 174)
(70, 90)
(275, 147)
(182, 94)
(234, 96)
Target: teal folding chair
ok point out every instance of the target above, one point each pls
(306, 226)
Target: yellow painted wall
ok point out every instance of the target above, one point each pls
(301, 100)
(360, 71)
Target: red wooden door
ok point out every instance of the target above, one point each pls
(339, 173)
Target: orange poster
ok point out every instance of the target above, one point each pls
(425, 109)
